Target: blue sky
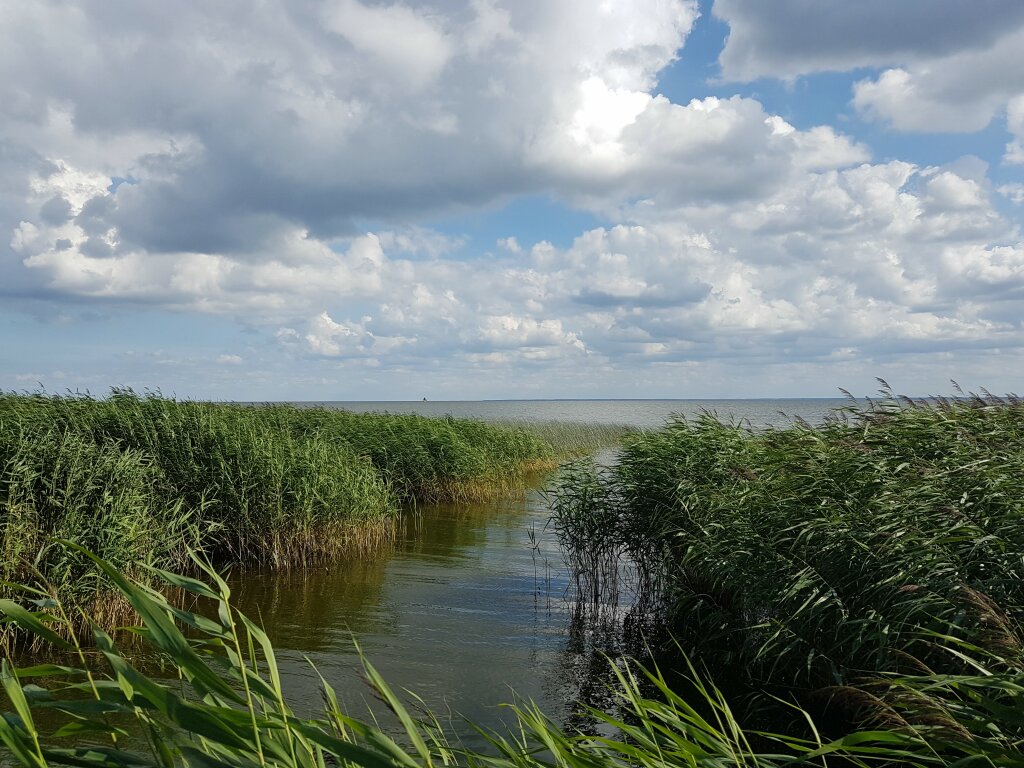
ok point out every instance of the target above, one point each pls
(346, 199)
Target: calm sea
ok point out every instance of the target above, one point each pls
(637, 413)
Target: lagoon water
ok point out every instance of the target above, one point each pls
(471, 603)
(647, 414)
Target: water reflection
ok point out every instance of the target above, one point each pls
(304, 609)
(468, 608)
(469, 605)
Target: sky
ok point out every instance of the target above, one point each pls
(471, 199)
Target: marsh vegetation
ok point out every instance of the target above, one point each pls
(869, 570)
(146, 479)
(854, 588)
(223, 704)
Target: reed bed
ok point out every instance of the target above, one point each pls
(431, 459)
(821, 562)
(144, 478)
(575, 439)
(224, 706)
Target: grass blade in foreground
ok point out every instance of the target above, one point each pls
(202, 722)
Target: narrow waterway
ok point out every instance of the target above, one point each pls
(467, 610)
(470, 607)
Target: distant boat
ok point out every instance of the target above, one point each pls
(424, 399)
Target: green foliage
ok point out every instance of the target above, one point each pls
(825, 557)
(573, 438)
(56, 483)
(144, 478)
(430, 459)
(225, 707)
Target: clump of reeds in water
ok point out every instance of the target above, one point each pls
(144, 478)
(587, 527)
(574, 438)
(429, 459)
(887, 541)
(224, 704)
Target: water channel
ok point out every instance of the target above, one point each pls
(470, 606)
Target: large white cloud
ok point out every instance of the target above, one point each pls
(946, 65)
(962, 92)
(226, 159)
(787, 38)
(408, 44)
(231, 121)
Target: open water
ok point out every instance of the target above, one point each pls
(638, 413)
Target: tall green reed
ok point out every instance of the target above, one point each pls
(225, 706)
(255, 491)
(141, 477)
(820, 557)
(432, 459)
